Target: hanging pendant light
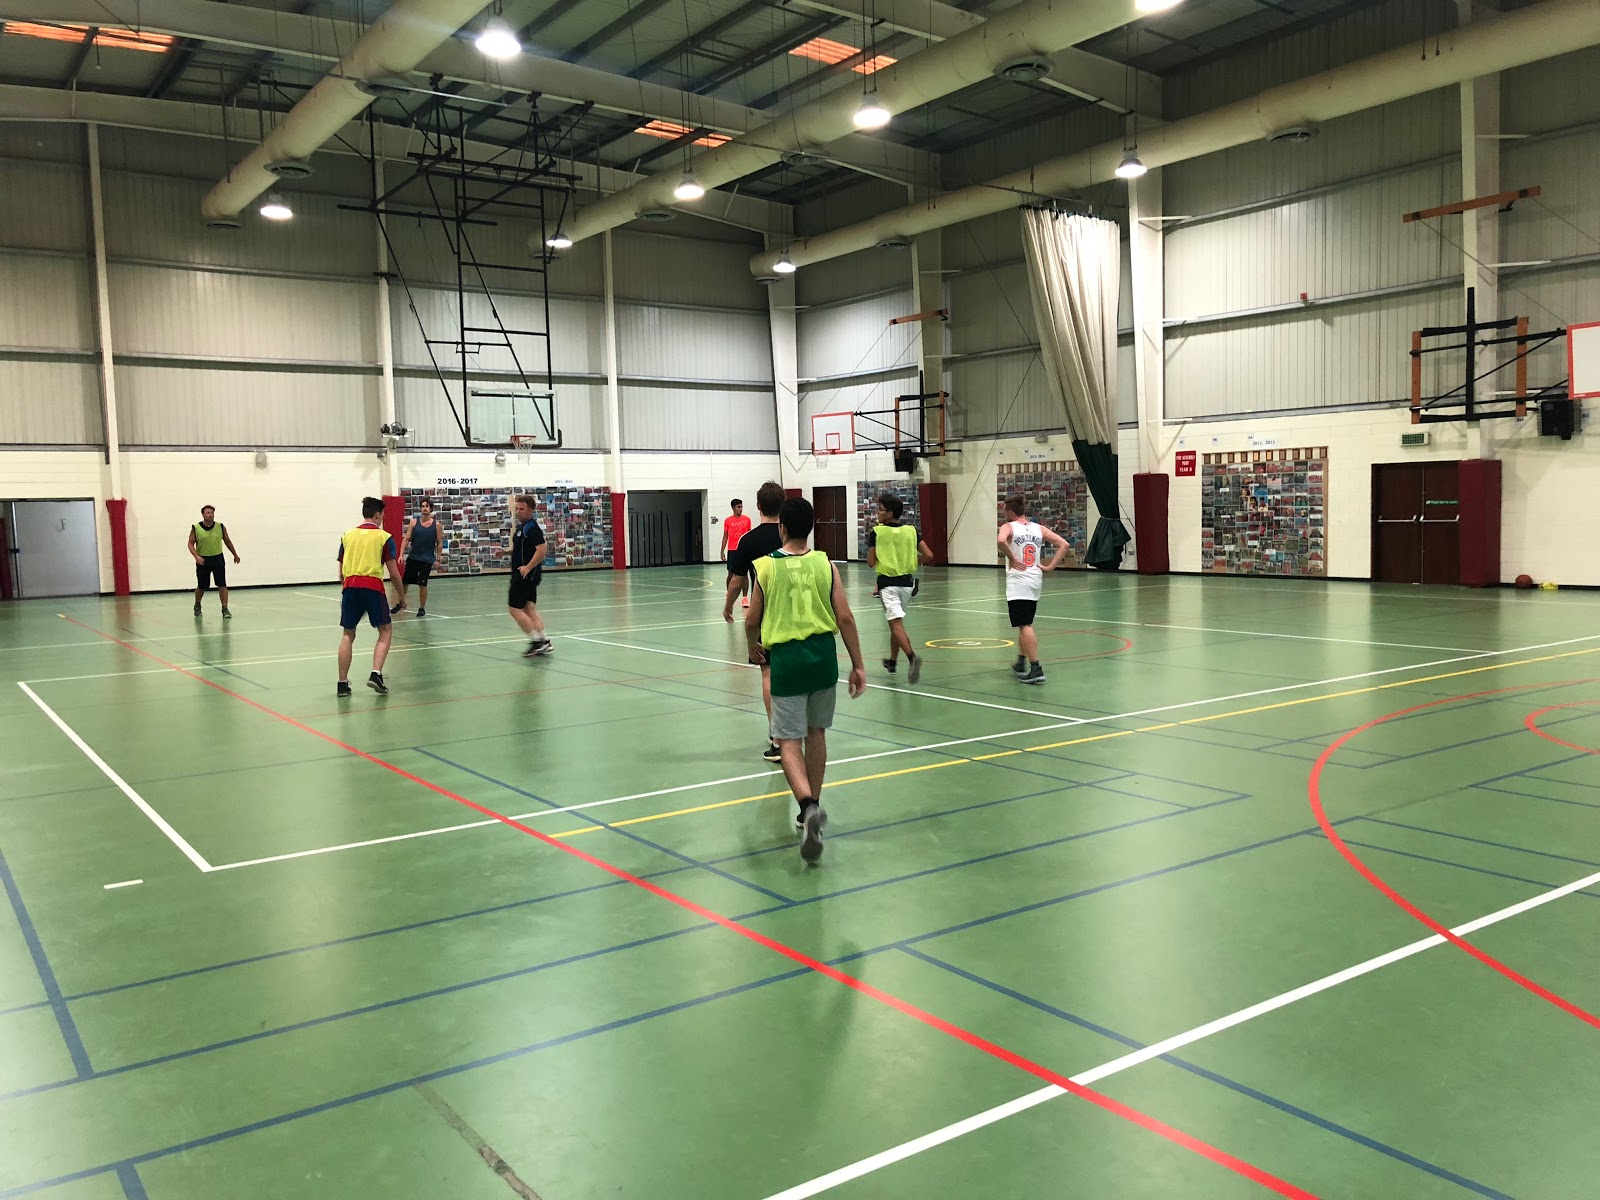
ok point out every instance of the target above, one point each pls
(688, 188)
(275, 208)
(496, 40)
(872, 114)
(1131, 167)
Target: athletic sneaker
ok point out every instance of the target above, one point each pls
(344, 690)
(1020, 667)
(376, 683)
(422, 612)
(538, 648)
(197, 610)
(800, 821)
(394, 608)
(1035, 675)
(813, 819)
(889, 665)
(772, 754)
(914, 675)
(226, 615)
(916, 585)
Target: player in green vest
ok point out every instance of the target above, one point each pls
(207, 537)
(796, 607)
(895, 551)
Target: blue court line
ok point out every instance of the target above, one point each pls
(132, 1185)
(1461, 837)
(1293, 1110)
(399, 1085)
(1483, 787)
(1445, 862)
(597, 822)
(787, 845)
(47, 976)
(1560, 762)
(635, 943)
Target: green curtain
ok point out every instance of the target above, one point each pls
(1099, 463)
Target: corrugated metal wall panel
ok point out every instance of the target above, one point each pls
(188, 406)
(697, 419)
(675, 343)
(848, 339)
(155, 218)
(679, 270)
(1334, 244)
(159, 310)
(576, 329)
(975, 245)
(991, 310)
(853, 275)
(1125, 407)
(422, 407)
(1548, 297)
(1409, 131)
(43, 205)
(1355, 354)
(1005, 394)
(49, 403)
(1552, 94)
(46, 301)
(1565, 220)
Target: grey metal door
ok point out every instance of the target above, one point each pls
(57, 554)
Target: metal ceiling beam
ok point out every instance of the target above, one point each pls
(1088, 76)
(635, 14)
(322, 40)
(394, 142)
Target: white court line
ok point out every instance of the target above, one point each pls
(156, 818)
(966, 741)
(939, 1137)
(111, 887)
(1295, 637)
(871, 687)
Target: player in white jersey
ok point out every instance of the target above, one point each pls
(1022, 542)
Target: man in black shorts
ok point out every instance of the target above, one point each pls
(207, 537)
(528, 550)
(758, 543)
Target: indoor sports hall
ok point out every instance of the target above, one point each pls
(1177, 408)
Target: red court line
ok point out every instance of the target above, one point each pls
(1126, 644)
(1532, 722)
(1314, 787)
(1143, 1120)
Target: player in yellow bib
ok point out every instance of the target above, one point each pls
(207, 537)
(895, 551)
(796, 607)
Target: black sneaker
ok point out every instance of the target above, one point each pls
(889, 665)
(344, 690)
(1035, 675)
(422, 612)
(916, 585)
(197, 610)
(226, 615)
(811, 832)
(772, 754)
(1020, 667)
(800, 821)
(914, 675)
(394, 608)
(538, 648)
(376, 683)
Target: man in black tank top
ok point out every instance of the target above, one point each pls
(420, 551)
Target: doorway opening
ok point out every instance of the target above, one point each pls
(833, 515)
(1416, 534)
(665, 529)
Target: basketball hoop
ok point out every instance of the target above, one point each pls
(524, 443)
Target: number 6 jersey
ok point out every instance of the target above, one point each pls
(1027, 544)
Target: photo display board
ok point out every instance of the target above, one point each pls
(1057, 496)
(1264, 512)
(576, 523)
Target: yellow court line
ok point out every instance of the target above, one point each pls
(1098, 737)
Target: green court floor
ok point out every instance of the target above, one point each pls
(1158, 928)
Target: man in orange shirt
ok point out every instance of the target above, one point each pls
(364, 553)
(734, 528)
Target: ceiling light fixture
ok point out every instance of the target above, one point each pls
(872, 114)
(559, 240)
(495, 40)
(784, 265)
(688, 188)
(274, 208)
(1130, 167)
(1155, 6)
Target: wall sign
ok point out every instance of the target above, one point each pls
(1184, 463)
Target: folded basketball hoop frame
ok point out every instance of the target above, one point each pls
(1463, 403)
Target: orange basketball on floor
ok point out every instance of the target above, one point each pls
(1524, 581)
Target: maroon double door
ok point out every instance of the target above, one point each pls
(1416, 516)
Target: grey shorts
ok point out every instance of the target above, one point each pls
(794, 716)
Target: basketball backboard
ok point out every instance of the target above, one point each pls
(1583, 360)
(512, 416)
(833, 433)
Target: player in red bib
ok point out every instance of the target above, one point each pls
(734, 527)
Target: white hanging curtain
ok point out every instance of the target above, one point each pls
(1074, 270)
